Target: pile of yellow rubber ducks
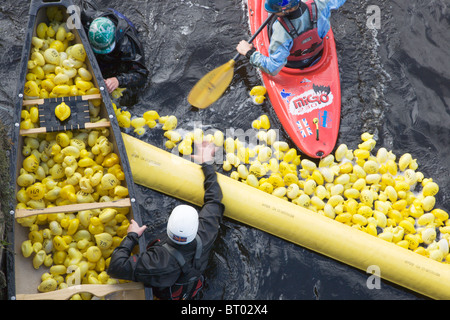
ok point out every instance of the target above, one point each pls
(56, 67)
(76, 247)
(378, 194)
(70, 168)
(150, 119)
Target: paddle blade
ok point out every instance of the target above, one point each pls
(211, 87)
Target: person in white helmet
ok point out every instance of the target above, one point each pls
(175, 261)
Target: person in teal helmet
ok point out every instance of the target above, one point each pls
(120, 55)
(295, 36)
(102, 35)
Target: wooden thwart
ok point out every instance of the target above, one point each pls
(98, 290)
(22, 213)
(42, 101)
(88, 125)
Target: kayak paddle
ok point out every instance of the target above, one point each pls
(211, 87)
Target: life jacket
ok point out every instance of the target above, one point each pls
(308, 44)
(190, 282)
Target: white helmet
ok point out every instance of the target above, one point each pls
(183, 224)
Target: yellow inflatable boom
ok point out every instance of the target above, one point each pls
(172, 175)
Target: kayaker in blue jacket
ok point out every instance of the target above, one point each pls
(296, 34)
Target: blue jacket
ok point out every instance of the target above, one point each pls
(281, 42)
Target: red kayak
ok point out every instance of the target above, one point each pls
(308, 101)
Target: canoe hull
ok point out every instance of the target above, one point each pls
(22, 278)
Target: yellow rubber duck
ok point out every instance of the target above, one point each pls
(95, 226)
(110, 160)
(257, 94)
(48, 285)
(124, 120)
(51, 56)
(170, 123)
(138, 122)
(258, 91)
(41, 30)
(117, 93)
(31, 89)
(78, 52)
(258, 100)
(68, 193)
(37, 59)
(404, 161)
(109, 181)
(93, 254)
(265, 122)
(185, 147)
(116, 170)
(430, 188)
(150, 115)
(30, 163)
(84, 197)
(173, 136)
(70, 165)
(57, 45)
(62, 111)
(293, 191)
(103, 240)
(36, 191)
(84, 74)
(83, 85)
(121, 191)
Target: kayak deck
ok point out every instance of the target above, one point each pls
(306, 101)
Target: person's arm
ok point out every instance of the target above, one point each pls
(122, 264)
(279, 50)
(210, 216)
(145, 267)
(213, 192)
(136, 76)
(134, 72)
(204, 155)
(324, 8)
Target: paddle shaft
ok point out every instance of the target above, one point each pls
(257, 32)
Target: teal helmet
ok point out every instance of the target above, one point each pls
(102, 35)
(277, 6)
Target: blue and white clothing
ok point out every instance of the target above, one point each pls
(281, 42)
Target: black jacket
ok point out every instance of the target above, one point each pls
(156, 267)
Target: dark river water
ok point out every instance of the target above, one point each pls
(395, 82)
